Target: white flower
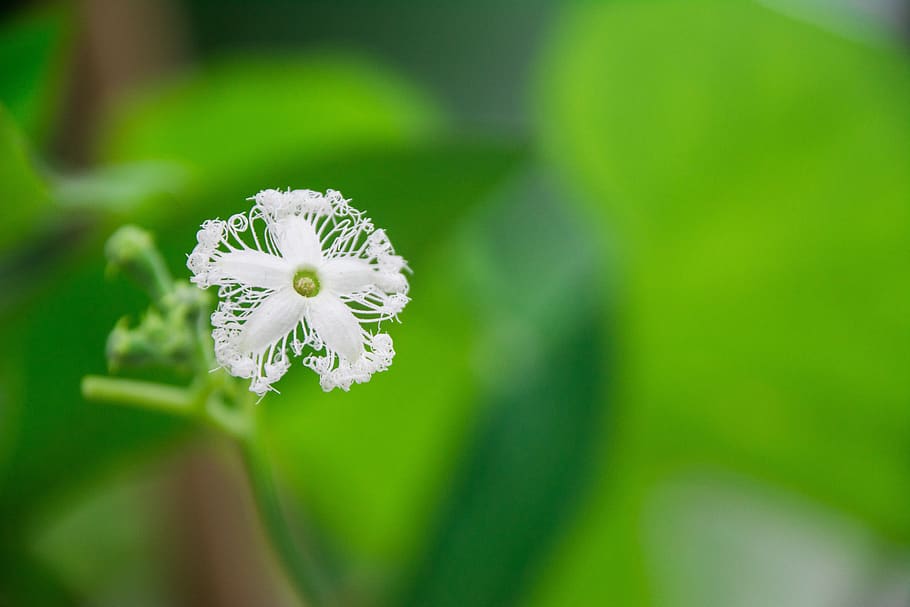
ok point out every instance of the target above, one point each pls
(300, 271)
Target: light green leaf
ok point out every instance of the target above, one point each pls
(121, 190)
(753, 170)
(236, 119)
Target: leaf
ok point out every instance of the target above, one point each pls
(528, 460)
(239, 117)
(753, 169)
(31, 61)
(121, 190)
(24, 192)
(722, 542)
(59, 441)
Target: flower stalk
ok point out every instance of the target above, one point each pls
(302, 568)
(145, 395)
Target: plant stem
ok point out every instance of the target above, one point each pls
(148, 395)
(301, 568)
(217, 400)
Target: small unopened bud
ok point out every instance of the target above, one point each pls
(186, 301)
(132, 251)
(127, 348)
(157, 341)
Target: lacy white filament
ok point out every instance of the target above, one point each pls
(302, 274)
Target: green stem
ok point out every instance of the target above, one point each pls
(133, 250)
(301, 568)
(237, 423)
(160, 281)
(148, 395)
(222, 404)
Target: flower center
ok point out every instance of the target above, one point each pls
(306, 282)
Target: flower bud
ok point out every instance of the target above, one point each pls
(132, 250)
(157, 342)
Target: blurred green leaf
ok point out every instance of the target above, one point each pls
(35, 584)
(60, 441)
(754, 171)
(418, 191)
(525, 471)
(121, 520)
(237, 118)
(530, 456)
(31, 57)
(718, 541)
(24, 193)
(121, 189)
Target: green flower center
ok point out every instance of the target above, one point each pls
(306, 282)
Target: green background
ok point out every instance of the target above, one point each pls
(659, 342)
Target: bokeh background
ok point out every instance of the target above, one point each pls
(659, 342)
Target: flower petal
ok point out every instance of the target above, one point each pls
(298, 242)
(350, 274)
(254, 269)
(347, 275)
(272, 319)
(336, 325)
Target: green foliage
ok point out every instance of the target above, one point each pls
(25, 195)
(55, 430)
(366, 483)
(243, 116)
(755, 168)
(530, 455)
(736, 294)
(31, 62)
(384, 151)
(122, 190)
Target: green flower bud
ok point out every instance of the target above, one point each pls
(132, 250)
(158, 341)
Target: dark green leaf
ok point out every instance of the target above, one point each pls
(31, 64)
(24, 193)
(531, 453)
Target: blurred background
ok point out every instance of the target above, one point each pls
(659, 342)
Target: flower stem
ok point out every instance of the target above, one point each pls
(301, 568)
(148, 395)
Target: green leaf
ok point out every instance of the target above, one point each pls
(35, 584)
(236, 119)
(58, 441)
(31, 61)
(529, 458)
(24, 193)
(122, 190)
(753, 169)
(121, 519)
